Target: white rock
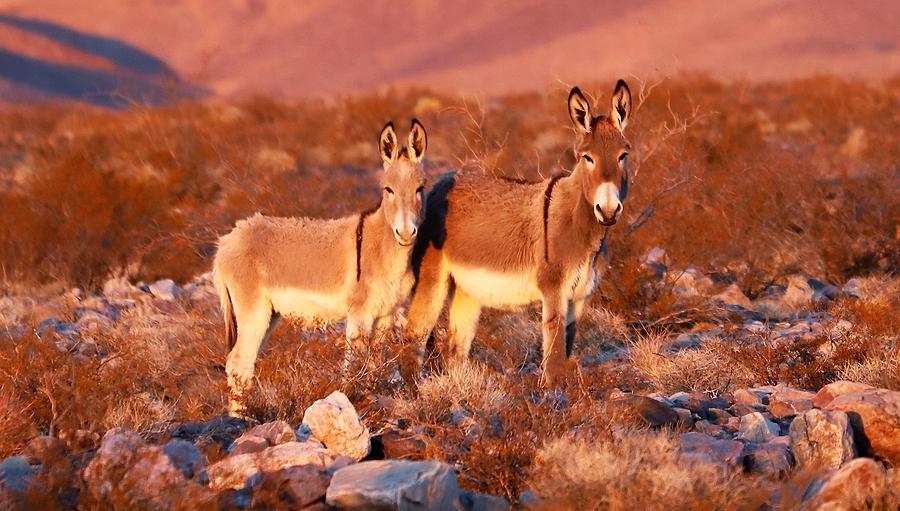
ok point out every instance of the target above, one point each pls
(335, 423)
(755, 427)
(394, 485)
(233, 471)
(821, 438)
(164, 289)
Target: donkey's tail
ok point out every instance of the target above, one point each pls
(227, 309)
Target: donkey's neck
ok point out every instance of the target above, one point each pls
(577, 220)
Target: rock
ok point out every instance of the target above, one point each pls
(44, 449)
(187, 458)
(823, 291)
(275, 433)
(649, 411)
(246, 444)
(718, 415)
(154, 482)
(119, 288)
(685, 418)
(15, 480)
(234, 470)
(749, 397)
(787, 401)
(875, 418)
(754, 427)
(470, 501)
(691, 282)
(335, 423)
(822, 439)
(15, 474)
(164, 289)
(856, 485)
(829, 392)
(396, 444)
(93, 321)
(114, 457)
(798, 293)
(291, 488)
(394, 485)
(732, 295)
(726, 451)
(855, 287)
(767, 458)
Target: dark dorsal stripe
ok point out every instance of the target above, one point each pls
(359, 238)
(547, 193)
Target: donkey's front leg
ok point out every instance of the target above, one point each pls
(554, 315)
(358, 333)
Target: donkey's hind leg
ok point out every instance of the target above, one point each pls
(255, 324)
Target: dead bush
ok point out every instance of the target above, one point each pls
(636, 471)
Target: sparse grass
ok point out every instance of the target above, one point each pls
(636, 471)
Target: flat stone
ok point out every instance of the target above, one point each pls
(291, 488)
(726, 451)
(394, 485)
(164, 289)
(829, 392)
(233, 471)
(768, 457)
(275, 432)
(649, 411)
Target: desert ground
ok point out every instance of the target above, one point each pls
(742, 351)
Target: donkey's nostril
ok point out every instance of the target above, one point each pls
(414, 232)
(597, 207)
(618, 208)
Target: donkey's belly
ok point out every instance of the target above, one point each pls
(309, 306)
(499, 290)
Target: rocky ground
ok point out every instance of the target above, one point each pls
(846, 434)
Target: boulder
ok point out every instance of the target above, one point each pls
(857, 485)
(112, 460)
(787, 401)
(291, 488)
(772, 457)
(396, 444)
(754, 427)
(187, 458)
(829, 392)
(15, 474)
(726, 451)
(875, 418)
(233, 471)
(246, 444)
(733, 295)
(154, 482)
(335, 423)
(650, 412)
(821, 438)
(275, 432)
(749, 397)
(164, 289)
(394, 485)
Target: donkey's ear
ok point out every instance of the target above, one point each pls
(620, 111)
(580, 110)
(387, 144)
(418, 141)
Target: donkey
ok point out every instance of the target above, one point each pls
(321, 271)
(498, 243)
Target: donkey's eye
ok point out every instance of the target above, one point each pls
(389, 190)
(587, 158)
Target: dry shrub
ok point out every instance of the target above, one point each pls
(881, 371)
(300, 366)
(15, 423)
(466, 385)
(701, 369)
(636, 471)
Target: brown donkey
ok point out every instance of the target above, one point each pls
(502, 244)
(319, 271)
